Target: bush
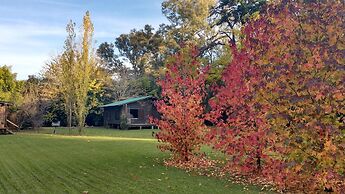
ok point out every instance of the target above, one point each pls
(123, 122)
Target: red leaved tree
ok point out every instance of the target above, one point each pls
(283, 95)
(241, 130)
(182, 113)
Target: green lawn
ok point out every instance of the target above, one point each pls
(102, 161)
(145, 133)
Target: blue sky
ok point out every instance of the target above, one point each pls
(32, 31)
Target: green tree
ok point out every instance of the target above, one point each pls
(110, 61)
(230, 15)
(188, 22)
(209, 24)
(142, 48)
(191, 22)
(9, 86)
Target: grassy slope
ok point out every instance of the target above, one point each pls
(103, 163)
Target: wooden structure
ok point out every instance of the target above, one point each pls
(132, 112)
(3, 118)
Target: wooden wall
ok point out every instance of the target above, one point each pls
(2, 116)
(112, 115)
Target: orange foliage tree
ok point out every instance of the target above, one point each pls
(183, 91)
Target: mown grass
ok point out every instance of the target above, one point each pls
(96, 131)
(110, 161)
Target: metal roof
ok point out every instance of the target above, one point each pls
(127, 101)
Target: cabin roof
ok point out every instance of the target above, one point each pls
(127, 101)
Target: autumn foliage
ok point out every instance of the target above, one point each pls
(279, 112)
(241, 131)
(281, 108)
(183, 90)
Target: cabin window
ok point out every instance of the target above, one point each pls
(134, 113)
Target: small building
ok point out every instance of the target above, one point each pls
(130, 113)
(3, 118)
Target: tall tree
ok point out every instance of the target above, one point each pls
(67, 79)
(84, 69)
(61, 72)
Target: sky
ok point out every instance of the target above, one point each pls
(33, 31)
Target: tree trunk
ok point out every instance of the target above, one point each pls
(80, 129)
(69, 119)
(81, 124)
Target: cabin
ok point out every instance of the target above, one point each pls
(4, 129)
(130, 113)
